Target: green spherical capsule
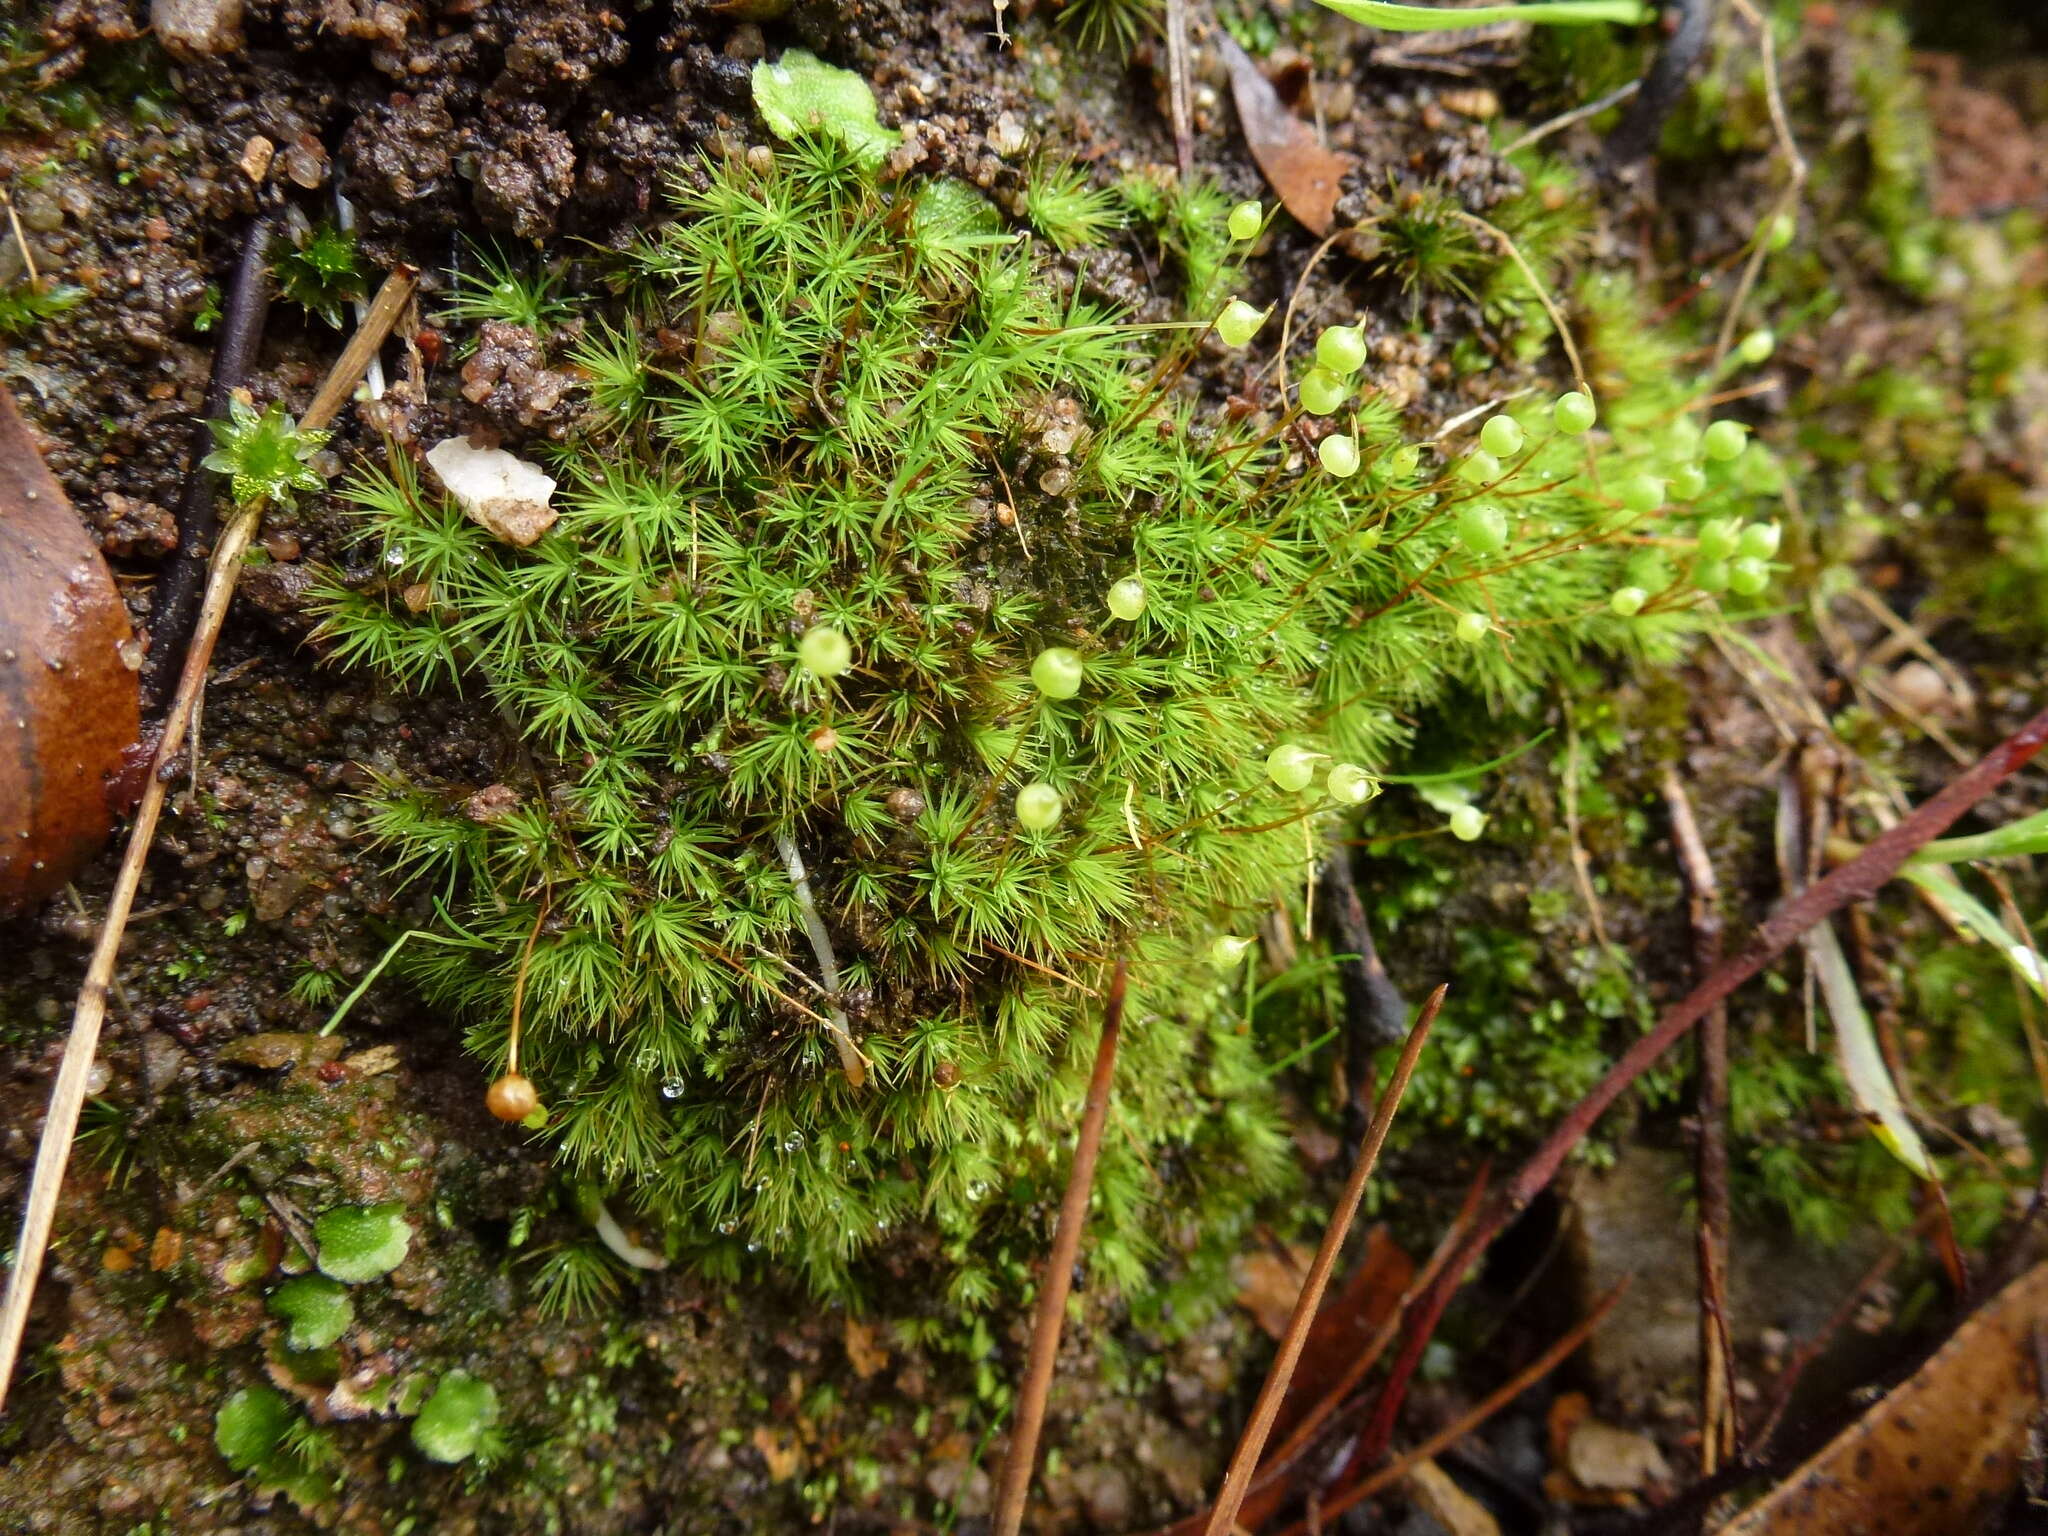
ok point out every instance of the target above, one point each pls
(1759, 541)
(1341, 349)
(1126, 599)
(1472, 627)
(1711, 575)
(1057, 672)
(1398, 463)
(1366, 540)
(1724, 440)
(1501, 436)
(1338, 454)
(1574, 413)
(1688, 481)
(1239, 323)
(1039, 807)
(1627, 602)
(1641, 494)
(1718, 538)
(1756, 347)
(1349, 784)
(824, 651)
(1783, 228)
(1226, 949)
(1246, 220)
(1483, 527)
(1479, 467)
(1467, 822)
(1291, 767)
(1322, 392)
(1747, 577)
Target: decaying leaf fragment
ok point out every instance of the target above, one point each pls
(1935, 1457)
(1305, 175)
(69, 703)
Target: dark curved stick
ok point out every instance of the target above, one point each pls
(1664, 85)
(178, 590)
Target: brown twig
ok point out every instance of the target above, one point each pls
(1245, 1460)
(67, 1095)
(1059, 1273)
(1719, 1433)
(1857, 880)
(1472, 1417)
(1177, 86)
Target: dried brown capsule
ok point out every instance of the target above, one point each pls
(946, 1074)
(512, 1097)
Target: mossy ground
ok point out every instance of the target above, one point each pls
(706, 1405)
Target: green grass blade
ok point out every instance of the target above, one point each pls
(1428, 18)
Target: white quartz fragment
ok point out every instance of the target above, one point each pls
(497, 489)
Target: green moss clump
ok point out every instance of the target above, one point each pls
(790, 969)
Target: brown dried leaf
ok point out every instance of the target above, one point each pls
(1267, 1284)
(1937, 1455)
(70, 705)
(862, 1352)
(1306, 176)
(779, 1449)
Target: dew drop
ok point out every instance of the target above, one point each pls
(752, 1246)
(977, 1190)
(728, 1226)
(672, 1088)
(793, 1142)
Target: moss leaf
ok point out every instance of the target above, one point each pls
(799, 93)
(361, 1242)
(249, 1425)
(453, 1422)
(317, 1309)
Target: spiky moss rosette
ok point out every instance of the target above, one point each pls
(834, 402)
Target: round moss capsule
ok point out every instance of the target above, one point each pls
(1039, 807)
(1126, 599)
(1483, 527)
(1627, 602)
(1641, 494)
(1724, 440)
(1479, 467)
(1397, 464)
(1239, 323)
(1349, 784)
(1292, 767)
(824, 651)
(1748, 577)
(1057, 672)
(512, 1097)
(1711, 575)
(1718, 538)
(1782, 229)
(1467, 822)
(1501, 436)
(1341, 349)
(1226, 949)
(1687, 482)
(1338, 454)
(1472, 627)
(1246, 220)
(1759, 541)
(1322, 391)
(1756, 347)
(1574, 412)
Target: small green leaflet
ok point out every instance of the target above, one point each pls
(799, 93)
